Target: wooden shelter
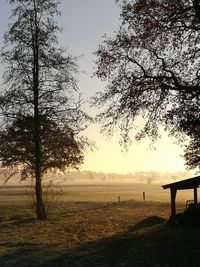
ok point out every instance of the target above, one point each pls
(191, 183)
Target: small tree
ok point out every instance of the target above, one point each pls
(40, 96)
(152, 67)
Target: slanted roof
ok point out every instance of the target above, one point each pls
(184, 184)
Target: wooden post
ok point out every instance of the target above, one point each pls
(195, 196)
(144, 196)
(119, 200)
(173, 202)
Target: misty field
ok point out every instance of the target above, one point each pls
(87, 226)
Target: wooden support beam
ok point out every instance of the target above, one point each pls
(173, 202)
(195, 196)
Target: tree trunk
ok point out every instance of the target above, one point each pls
(40, 209)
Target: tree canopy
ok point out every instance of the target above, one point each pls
(151, 66)
(39, 74)
(192, 149)
(60, 149)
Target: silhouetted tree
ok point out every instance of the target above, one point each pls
(151, 66)
(40, 90)
(192, 149)
(59, 148)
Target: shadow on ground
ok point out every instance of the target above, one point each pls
(157, 244)
(147, 222)
(17, 222)
(151, 242)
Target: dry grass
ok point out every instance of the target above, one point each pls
(42, 241)
(92, 233)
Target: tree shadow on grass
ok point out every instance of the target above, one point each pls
(17, 222)
(151, 246)
(26, 254)
(147, 222)
(149, 243)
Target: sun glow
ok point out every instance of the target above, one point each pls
(109, 157)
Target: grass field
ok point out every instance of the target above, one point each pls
(88, 227)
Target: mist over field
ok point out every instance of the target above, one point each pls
(137, 177)
(98, 187)
(90, 177)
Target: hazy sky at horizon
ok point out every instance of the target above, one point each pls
(84, 23)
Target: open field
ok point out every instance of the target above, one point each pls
(16, 202)
(88, 227)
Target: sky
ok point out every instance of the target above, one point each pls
(84, 23)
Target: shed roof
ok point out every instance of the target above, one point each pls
(184, 184)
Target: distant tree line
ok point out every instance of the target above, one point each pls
(147, 177)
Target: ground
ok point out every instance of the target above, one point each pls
(98, 233)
